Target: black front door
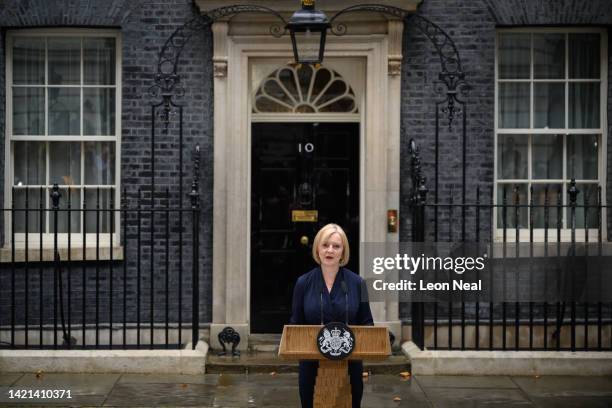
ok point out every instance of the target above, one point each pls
(304, 175)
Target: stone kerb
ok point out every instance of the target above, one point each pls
(457, 362)
(185, 361)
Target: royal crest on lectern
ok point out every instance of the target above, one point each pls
(335, 341)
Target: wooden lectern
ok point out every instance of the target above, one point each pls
(332, 387)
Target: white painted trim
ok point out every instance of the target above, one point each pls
(603, 130)
(311, 117)
(62, 32)
(379, 185)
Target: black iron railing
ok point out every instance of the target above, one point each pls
(119, 281)
(517, 227)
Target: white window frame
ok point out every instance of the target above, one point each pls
(539, 233)
(76, 239)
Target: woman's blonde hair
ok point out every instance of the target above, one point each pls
(323, 235)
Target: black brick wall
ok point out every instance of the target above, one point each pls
(472, 25)
(144, 26)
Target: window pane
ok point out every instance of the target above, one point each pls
(514, 105)
(584, 105)
(98, 220)
(514, 60)
(29, 111)
(64, 111)
(65, 163)
(99, 61)
(67, 218)
(582, 157)
(29, 163)
(547, 157)
(586, 206)
(549, 105)
(546, 195)
(64, 60)
(513, 196)
(336, 89)
(266, 104)
(28, 61)
(287, 78)
(512, 157)
(549, 56)
(99, 163)
(98, 111)
(33, 205)
(322, 77)
(584, 56)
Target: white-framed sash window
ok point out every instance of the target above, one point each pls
(550, 128)
(63, 113)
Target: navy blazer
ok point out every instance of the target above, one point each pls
(306, 307)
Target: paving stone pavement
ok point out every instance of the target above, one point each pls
(280, 390)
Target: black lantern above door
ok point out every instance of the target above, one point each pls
(308, 28)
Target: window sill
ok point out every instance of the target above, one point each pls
(76, 254)
(540, 237)
(549, 250)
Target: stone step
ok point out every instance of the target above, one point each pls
(268, 362)
(264, 342)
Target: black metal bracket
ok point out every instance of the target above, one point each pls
(167, 81)
(226, 336)
(451, 77)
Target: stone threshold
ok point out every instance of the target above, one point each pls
(530, 363)
(185, 361)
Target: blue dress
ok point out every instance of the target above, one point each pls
(306, 309)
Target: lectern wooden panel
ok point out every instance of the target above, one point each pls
(332, 387)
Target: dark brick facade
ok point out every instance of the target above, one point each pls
(144, 26)
(472, 25)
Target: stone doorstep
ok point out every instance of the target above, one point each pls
(520, 363)
(268, 362)
(185, 361)
(264, 342)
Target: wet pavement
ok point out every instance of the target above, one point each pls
(280, 390)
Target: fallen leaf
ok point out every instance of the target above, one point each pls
(39, 374)
(397, 399)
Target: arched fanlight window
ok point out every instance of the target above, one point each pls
(304, 89)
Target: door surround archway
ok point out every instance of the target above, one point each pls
(378, 42)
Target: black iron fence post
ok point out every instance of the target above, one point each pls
(55, 199)
(573, 195)
(418, 308)
(195, 209)
(418, 199)
(13, 266)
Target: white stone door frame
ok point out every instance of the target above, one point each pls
(379, 150)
